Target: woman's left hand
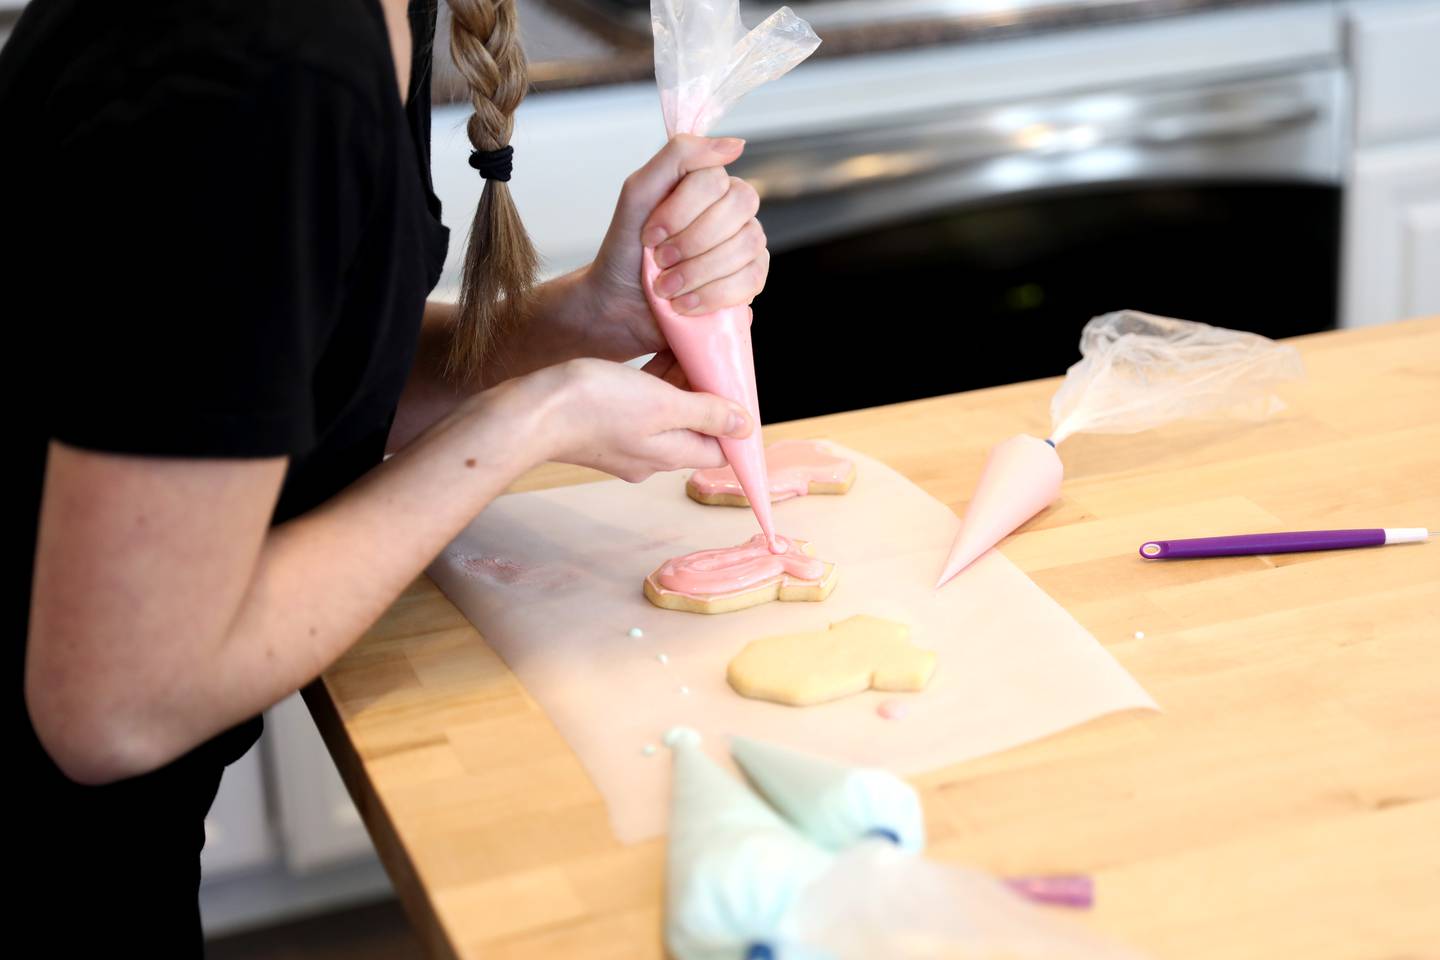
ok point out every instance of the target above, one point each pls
(701, 223)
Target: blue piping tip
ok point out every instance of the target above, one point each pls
(884, 833)
(760, 951)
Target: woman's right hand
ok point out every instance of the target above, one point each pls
(259, 611)
(629, 423)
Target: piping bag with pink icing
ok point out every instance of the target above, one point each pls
(704, 62)
(1136, 371)
(714, 350)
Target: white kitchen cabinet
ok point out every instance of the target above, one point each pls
(1422, 236)
(1392, 199)
(1393, 62)
(283, 839)
(318, 823)
(1392, 234)
(237, 831)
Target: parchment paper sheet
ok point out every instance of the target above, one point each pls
(552, 579)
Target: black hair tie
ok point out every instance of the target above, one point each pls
(493, 164)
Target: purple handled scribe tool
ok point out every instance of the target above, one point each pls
(1062, 890)
(1253, 543)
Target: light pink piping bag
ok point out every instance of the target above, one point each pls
(1021, 477)
(714, 351)
(1136, 371)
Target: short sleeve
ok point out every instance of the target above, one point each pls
(212, 219)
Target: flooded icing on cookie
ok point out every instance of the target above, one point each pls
(733, 569)
(793, 466)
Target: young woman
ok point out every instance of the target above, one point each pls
(225, 235)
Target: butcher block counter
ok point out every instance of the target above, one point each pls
(1285, 803)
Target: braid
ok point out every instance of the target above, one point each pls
(500, 261)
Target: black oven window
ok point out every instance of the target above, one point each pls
(996, 294)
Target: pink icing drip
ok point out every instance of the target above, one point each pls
(733, 569)
(793, 466)
(893, 710)
(714, 351)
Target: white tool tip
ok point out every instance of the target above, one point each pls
(681, 736)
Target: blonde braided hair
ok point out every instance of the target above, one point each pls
(500, 260)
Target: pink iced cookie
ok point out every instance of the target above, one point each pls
(796, 467)
(733, 578)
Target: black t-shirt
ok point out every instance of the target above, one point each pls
(221, 233)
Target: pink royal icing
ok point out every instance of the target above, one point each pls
(715, 353)
(893, 710)
(709, 573)
(793, 465)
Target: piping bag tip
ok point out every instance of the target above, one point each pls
(956, 565)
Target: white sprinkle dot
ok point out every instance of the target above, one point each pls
(663, 658)
(648, 749)
(684, 689)
(636, 632)
(1139, 634)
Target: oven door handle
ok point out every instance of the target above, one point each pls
(1249, 120)
(838, 165)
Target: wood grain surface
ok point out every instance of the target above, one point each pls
(1286, 803)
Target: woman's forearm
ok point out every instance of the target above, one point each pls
(323, 578)
(562, 314)
(117, 687)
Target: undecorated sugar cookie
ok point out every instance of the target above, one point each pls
(849, 657)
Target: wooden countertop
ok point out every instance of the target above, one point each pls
(1285, 804)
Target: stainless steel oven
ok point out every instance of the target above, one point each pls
(945, 252)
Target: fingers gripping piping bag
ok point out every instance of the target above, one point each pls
(1136, 371)
(704, 63)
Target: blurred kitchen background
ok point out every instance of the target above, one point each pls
(951, 189)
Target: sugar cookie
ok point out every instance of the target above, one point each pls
(854, 655)
(797, 468)
(733, 578)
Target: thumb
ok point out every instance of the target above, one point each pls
(712, 415)
(646, 187)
